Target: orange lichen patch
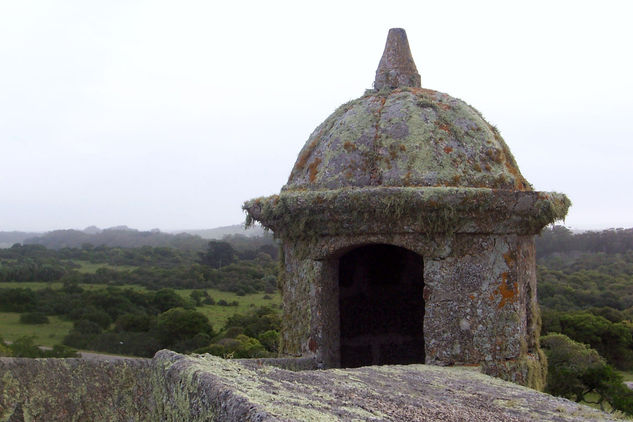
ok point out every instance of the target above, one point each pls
(421, 91)
(472, 297)
(407, 178)
(313, 168)
(519, 181)
(509, 294)
(448, 149)
(509, 258)
(349, 147)
(444, 106)
(303, 158)
(394, 149)
(495, 155)
(444, 127)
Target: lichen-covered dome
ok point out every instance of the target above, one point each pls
(405, 137)
(404, 159)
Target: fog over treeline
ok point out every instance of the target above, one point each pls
(123, 236)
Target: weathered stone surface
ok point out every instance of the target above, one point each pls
(405, 137)
(385, 393)
(173, 387)
(430, 211)
(74, 390)
(479, 298)
(396, 68)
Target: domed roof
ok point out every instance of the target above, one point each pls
(403, 159)
(405, 137)
(399, 134)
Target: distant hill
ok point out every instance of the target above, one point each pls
(220, 232)
(119, 236)
(123, 236)
(7, 239)
(559, 240)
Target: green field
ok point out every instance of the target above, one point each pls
(53, 333)
(46, 334)
(219, 314)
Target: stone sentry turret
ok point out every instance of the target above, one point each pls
(408, 235)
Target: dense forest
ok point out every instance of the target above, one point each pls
(585, 288)
(585, 284)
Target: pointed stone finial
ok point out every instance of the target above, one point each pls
(397, 68)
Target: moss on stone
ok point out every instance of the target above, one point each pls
(405, 137)
(305, 214)
(529, 369)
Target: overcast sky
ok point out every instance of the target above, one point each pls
(170, 114)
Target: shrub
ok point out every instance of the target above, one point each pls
(126, 343)
(270, 340)
(133, 322)
(576, 370)
(178, 324)
(240, 347)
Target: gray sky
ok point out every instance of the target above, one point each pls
(170, 114)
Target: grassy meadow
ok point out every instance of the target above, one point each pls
(54, 332)
(45, 334)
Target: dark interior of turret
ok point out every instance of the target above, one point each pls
(381, 306)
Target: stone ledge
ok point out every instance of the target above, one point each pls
(174, 387)
(429, 210)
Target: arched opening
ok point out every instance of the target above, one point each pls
(381, 306)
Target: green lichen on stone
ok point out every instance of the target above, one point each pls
(296, 305)
(305, 214)
(173, 387)
(73, 390)
(405, 137)
(529, 369)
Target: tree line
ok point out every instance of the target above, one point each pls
(248, 267)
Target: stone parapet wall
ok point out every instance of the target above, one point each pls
(169, 387)
(75, 390)
(173, 387)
